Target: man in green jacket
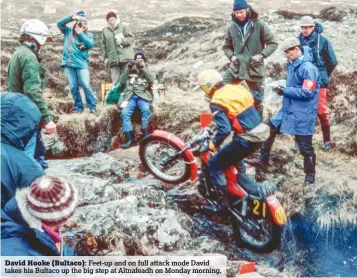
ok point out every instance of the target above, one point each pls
(137, 79)
(25, 75)
(247, 43)
(117, 47)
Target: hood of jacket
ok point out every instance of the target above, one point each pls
(20, 118)
(13, 224)
(319, 28)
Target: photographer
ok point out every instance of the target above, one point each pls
(137, 79)
(75, 60)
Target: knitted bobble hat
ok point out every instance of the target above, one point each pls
(50, 200)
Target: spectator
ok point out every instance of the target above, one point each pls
(247, 43)
(26, 76)
(298, 113)
(117, 48)
(75, 61)
(30, 221)
(137, 79)
(20, 118)
(324, 59)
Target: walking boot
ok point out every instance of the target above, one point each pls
(327, 144)
(309, 179)
(129, 140)
(309, 169)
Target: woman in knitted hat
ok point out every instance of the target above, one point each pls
(30, 221)
(117, 46)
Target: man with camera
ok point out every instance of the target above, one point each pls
(75, 59)
(117, 46)
(137, 79)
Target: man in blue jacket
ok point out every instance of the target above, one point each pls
(324, 59)
(298, 113)
(20, 118)
(30, 221)
(75, 60)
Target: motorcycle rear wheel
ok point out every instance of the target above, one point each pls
(266, 240)
(162, 149)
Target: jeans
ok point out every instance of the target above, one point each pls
(76, 78)
(128, 111)
(231, 154)
(305, 146)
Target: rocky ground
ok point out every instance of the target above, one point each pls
(125, 211)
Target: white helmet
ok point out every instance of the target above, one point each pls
(36, 29)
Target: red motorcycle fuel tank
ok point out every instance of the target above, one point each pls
(180, 145)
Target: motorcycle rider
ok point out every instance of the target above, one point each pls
(233, 109)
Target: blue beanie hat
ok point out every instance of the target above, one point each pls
(240, 5)
(81, 13)
(139, 55)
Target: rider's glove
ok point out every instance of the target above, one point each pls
(211, 146)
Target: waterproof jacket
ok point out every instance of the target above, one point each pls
(117, 54)
(233, 108)
(72, 56)
(324, 57)
(25, 75)
(137, 83)
(257, 39)
(298, 113)
(19, 239)
(20, 118)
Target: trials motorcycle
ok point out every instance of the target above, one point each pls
(256, 221)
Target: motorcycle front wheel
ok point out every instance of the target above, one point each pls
(154, 151)
(258, 234)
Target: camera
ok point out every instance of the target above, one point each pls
(81, 46)
(133, 64)
(80, 24)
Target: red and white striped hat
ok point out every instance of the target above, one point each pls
(51, 200)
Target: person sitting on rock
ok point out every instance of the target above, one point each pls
(30, 221)
(137, 79)
(299, 111)
(325, 60)
(20, 118)
(233, 109)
